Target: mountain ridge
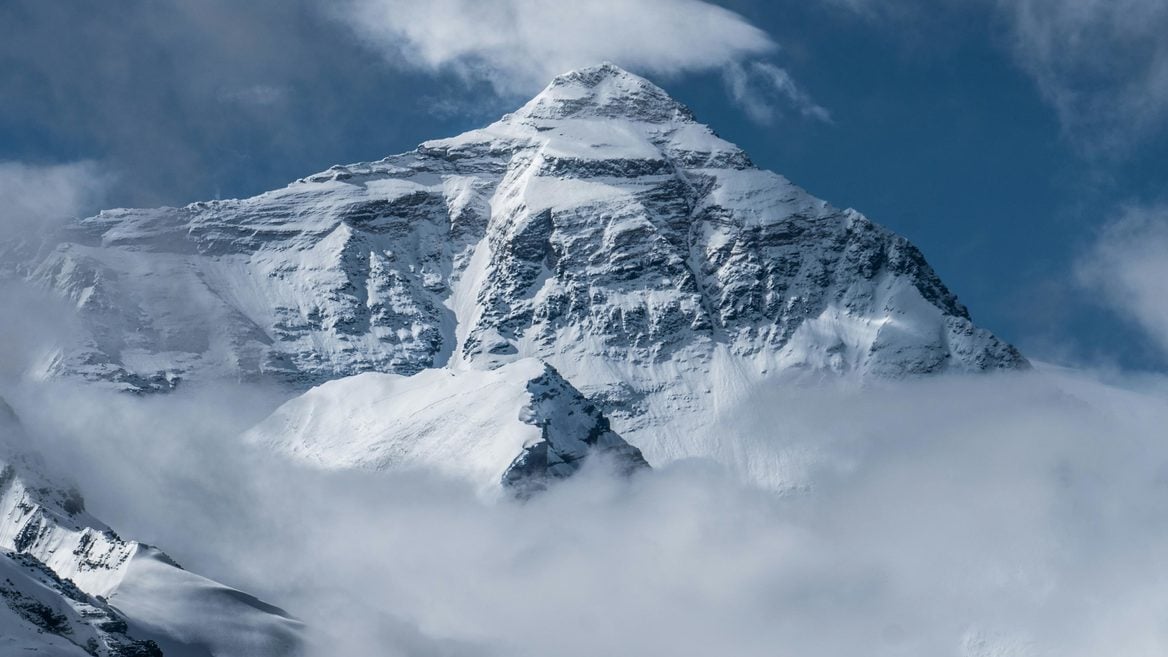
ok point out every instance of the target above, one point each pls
(72, 583)
(599, 228)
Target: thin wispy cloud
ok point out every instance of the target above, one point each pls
(33, 195)
(1127, 268)
(761, 89)
(1101, 65)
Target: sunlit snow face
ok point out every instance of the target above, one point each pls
(1020, 515)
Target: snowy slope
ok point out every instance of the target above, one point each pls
(599, 228)
(518, 425)
(42, 614)
(107, 580)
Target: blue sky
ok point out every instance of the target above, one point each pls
(1019, 143)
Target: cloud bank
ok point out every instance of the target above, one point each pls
(1019, 516)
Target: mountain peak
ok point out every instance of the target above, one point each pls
(604, 91)
(592, 76)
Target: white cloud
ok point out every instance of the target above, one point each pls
(1009, 515)
(1102, 64)
(32, 196)
(1128, 268)
(519, 45)
(760, 88)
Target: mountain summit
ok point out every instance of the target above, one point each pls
(604, 92)
(599, 228)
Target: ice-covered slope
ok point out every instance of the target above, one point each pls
(518, 425)
(42, 614)
(108, 580)
(599, 228)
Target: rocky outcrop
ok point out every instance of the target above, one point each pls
(572, 430)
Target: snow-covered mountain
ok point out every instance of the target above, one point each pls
(594, 275)
(69, 585)
(599, 228)
(520, 425)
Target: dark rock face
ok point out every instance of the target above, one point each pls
(573, 430)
